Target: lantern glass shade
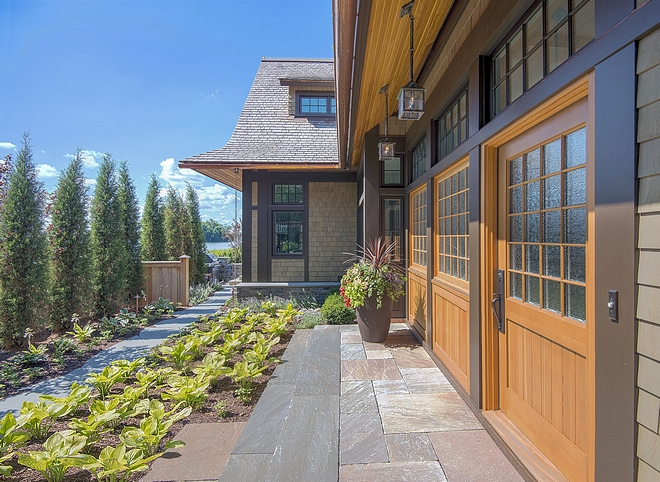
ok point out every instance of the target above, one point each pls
(385, 150)
(411, 103)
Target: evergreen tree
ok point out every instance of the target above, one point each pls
(108, 242)
(130, 211)
(177, 226)
(198, 243)
(70, 241)
(23, 252)
(153, 224)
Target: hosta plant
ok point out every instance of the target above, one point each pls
(108, 378)
(178, 354)
(78, 396)
(212, 367)
(95, 426)
(115, 464)
(82, 333)
(187, 390)
(153, 428)
(11, 438)
(60, 451)
(242, 374)
(38, 418)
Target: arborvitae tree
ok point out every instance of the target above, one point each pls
(130, 208)
(108, 243)
(70, 242)
(5, 170)
(198, 243)
(23, 252)
(153, 224)
(177, 226)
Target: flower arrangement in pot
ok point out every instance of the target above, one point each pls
(370, 286)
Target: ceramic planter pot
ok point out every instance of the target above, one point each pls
(374, 323)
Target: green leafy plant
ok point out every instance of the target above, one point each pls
(178, 354)
(335, 311)
(109, 377)
(221, 408)
(78, 396)
(82, 333)
(243, 374)
(309, 320)
(33, 355)
(373, 274)
(261, 348)
(152, 429)
(115, 464)
(60, 452)
(191, 391)
(212, 367)
(11, 438)
(38, 418)
(95, 426)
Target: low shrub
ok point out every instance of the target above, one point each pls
(335, 312)
(309, 320)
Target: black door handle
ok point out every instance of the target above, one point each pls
(497, 298)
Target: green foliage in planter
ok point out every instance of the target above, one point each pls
(335, 312)
(23, 251)
(70, 245)
(61, 451)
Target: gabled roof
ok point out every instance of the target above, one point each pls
(268, 134)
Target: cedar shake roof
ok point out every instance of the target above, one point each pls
(268, 134)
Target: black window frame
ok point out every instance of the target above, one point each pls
(455, 102)
(574, 6)
(328, 96)
(288, 201)
(415, 169)
(383, 171)
(274, 214)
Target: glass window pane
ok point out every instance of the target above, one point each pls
(516, 170)
(575, 260)
(552, 192)
(575, 188)
(552, 295)
(552, 227)
(552, 261)
(532, 196)
(515, 200)
(515, 233)
(533, 164)
(552, 157)
(576, 148)
(534, 30)
(532, 287)
(515, 288)
(515, 49)
(499, 98)
(461, 179)
(584, 28)
(534, 67)
(556, 48)
(515, 256)
(556, 12)
(499, 67)
(575, 300)
(532, 228)
(532, 258)
(575, 226)
(515, 83)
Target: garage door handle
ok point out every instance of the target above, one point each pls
(497, 298)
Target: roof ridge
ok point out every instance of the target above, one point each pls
(292, 59)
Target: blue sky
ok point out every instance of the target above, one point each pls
(148, 81)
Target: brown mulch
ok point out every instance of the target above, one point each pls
(237, 411)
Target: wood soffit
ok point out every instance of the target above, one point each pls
(386, 60)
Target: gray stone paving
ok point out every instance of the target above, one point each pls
(342, 410)
(130, 349)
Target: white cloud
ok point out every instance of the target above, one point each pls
(90, 159)
(90, 182)
(171, 174)
(217, 202)
(46, 170)
(7, 145)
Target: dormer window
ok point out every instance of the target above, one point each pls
(316, 104)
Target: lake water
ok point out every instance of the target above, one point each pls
(210, 246)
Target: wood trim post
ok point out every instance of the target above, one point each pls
(184, 279)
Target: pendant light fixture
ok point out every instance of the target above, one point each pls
(386, 147)
(411, 96)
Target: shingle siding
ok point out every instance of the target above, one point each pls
(648, 277)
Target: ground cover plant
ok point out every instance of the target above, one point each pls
(127, 414)
(59, 353)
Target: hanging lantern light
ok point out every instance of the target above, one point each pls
(411, 96)
(386, 147)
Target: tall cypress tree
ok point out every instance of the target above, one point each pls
(70, 242)
(23, 252)
(198, 243)
(108, 242)
(177, 226)
(153, 224)
(130, 211)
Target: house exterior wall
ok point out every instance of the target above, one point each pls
(287, 270)
(332, 228)
(648, 276)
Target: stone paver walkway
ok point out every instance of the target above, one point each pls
(341, 409)
(130, 349)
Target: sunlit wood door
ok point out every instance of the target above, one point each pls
(543, 252)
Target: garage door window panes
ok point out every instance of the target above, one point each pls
(548, 226)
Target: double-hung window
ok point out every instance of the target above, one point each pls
(288, 219)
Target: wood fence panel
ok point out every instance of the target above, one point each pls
(169, 279)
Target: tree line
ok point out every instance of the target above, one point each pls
(215, 232)
(63, 254)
